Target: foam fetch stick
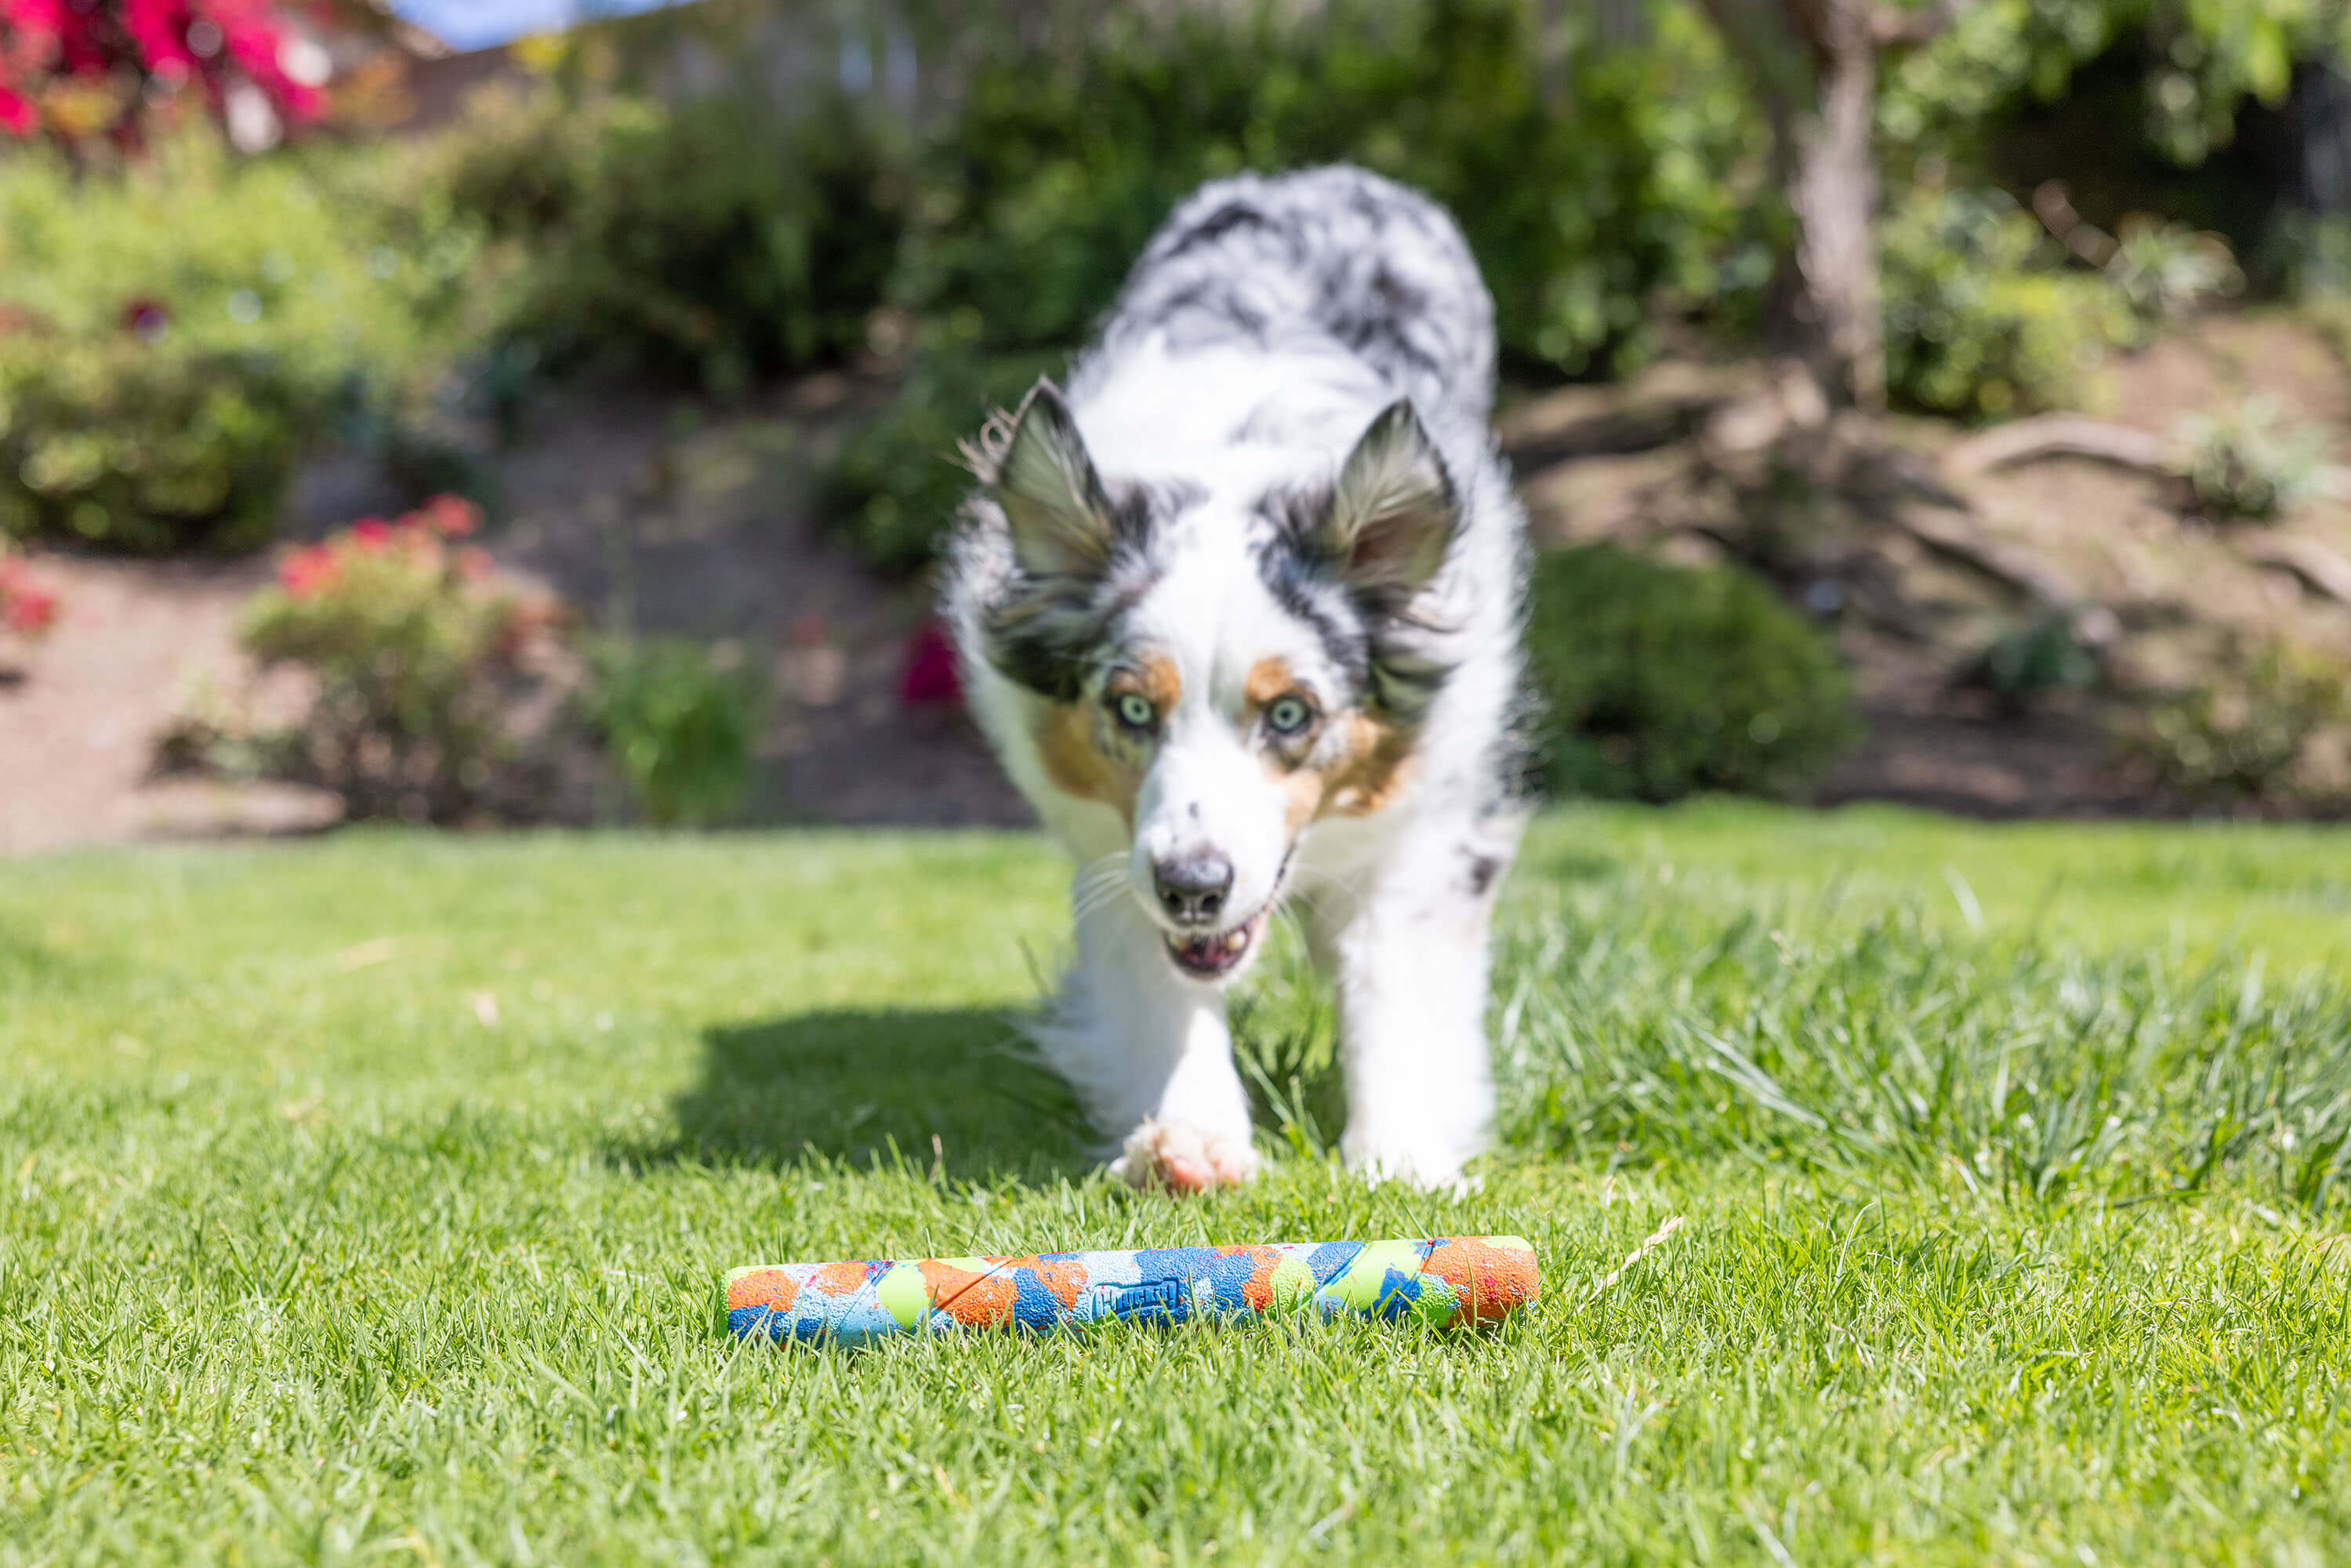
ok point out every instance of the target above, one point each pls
(1452, 1280)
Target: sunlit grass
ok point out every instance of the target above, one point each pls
(365, 1200)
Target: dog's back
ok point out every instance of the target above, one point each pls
(1310, 262)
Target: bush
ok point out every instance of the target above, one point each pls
(1588, 177)
(2251, 730)
(170, 338)
(681, 720)
(417, 658)
(2164, 271)
(2245, 463)
(1981, 320)
(714, 240)
(1658, 681)
(2023, 665)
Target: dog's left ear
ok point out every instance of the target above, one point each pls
(1393, 513)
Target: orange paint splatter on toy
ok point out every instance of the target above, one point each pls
(1489, 1279)
(837, 1279)
(1063, 1278)
(974, 1301)
(769, 1290)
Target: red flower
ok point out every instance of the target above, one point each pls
(16, 116)
(147, 320)
(931, 673)
(26, 608)
(451, 517)
(373, 535)
(309, 571)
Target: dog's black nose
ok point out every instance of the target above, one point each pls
(1193, 889)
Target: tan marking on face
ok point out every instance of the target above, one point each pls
(1070, 744)
(1267, 679)
(1378, 764)
(1371, 767)
(1155, 676)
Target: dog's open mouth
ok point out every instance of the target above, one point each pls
(1212, 956)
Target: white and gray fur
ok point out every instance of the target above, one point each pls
(1278, 450)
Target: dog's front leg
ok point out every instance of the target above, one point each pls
(1149, 1054)
(1410, 959)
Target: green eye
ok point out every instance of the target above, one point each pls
(1288, 716)
(1134, 710)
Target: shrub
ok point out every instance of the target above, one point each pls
(2168, 270)
(1660, 680)
(171, 336)
(1588, 176)
(2245, 463)
(1981, 319)
(2250, 729)
(714, 240)
(417, 657)
(681, 720)
(2024, 665)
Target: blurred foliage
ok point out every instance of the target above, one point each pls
(2196, 63)
(171, 335)
(2254, 728)
(2248, 462)
(1590, 177)
(681, 720)
(2025, 664)
(2165, 270)
(899, 479)
(1658, 681)
(716, 240)
(1982, 321)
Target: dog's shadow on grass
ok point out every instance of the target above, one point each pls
(946, 1088)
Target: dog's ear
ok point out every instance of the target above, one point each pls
(1393, 513)
(1060, 519)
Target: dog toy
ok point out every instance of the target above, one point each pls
(1453, 1280)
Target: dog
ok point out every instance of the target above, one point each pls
(1240, 612)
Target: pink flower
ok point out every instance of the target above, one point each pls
(309, 571)
(16, 116)
(931, 673)
(373, 535)
(474, 565)
(27, 607)
(451, 517)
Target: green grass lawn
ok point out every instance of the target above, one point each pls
(365, 1200)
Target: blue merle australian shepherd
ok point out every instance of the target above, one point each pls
(1239, 610)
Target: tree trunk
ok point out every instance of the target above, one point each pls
(1815, 63)
(1830, 310)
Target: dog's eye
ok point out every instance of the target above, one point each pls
(1288, 716)
(1134, 710)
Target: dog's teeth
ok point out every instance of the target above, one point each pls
(1237, 940)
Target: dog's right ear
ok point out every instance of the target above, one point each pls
(1060, 517)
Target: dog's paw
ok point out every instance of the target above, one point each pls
(1436, 1171)
(1182, 1158)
